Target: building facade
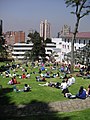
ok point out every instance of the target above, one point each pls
(45, 29)
(66, 30)
(64, 43)
(13, 37)
(19, 49)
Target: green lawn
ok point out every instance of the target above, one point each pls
(42, 94)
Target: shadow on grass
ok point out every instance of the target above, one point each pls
(35, 110)
(4, 99)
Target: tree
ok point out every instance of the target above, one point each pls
(3, 52)
(28, 56)
(52, 56)
(38, 49)
(48, 40)
(82, 8)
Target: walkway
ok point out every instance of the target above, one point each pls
(37, 108)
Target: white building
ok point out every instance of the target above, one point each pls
(19, 49)
(82, 39)
(60, 46)
(64, 43)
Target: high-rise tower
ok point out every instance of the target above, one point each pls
(45, 29)
(0, 27)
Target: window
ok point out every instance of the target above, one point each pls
(49, 51)
(79, 41)
(68, 46)
(75, 41)
(89, 41)
(68, 40)
(75, 47)
(65, 46)
(65, 40)
(84, 42)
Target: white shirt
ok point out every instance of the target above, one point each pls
(63, 85)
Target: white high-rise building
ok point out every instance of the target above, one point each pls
(45, 29)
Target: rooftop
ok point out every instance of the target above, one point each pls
(79, 35)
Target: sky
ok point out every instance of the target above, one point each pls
(25, 15)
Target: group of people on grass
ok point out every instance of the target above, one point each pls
(13, 81)
(64, 85)
(26, 88)
(84, 72)
(82, 93)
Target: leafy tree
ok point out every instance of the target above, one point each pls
(48, 40)
(84, 54)
(28, 56)
(52, 56)
(82, 8)
(38, 49)
(3, 52)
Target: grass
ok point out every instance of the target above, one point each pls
(42, 94)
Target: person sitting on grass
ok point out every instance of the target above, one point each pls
(28, 75)
(63, 86)
(38, 79)
(43, 79)
(67, 94)
(11, 82)
(82, 93)
(50, 84)
(15, 81)
(27, 88)
(71, 80)
(15, 89)
(23, 76)
(46, 84)
(57, 85)
(86, 75)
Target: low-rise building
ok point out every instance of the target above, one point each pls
(60, 46)
(19, 49)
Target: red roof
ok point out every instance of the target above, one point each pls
(79, 35)
(83, 35)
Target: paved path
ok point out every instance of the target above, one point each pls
(42, 108)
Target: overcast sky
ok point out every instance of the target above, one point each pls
(27, 14)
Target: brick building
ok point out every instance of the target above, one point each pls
(13, 37)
